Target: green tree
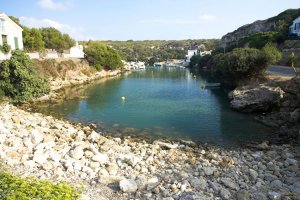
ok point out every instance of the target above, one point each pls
(33, 40)
(239, 64)
(19, 81)
(271, 53)
(101, 56)
(54, 39)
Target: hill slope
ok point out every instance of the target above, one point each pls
(280, 22)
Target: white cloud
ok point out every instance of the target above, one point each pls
(76, 33)
(53, 5)
(207, 17)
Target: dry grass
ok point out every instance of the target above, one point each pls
(52, 68)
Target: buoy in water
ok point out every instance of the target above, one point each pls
(123, 98)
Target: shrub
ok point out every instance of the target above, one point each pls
(100, 55)
(13, 187)
(18, 79)
(271, 53)
(239, 64)
(5, 48)
(259, 40)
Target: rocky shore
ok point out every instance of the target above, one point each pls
(276, 101)
(119, 168)
(77, 79)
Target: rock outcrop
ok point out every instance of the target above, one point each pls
(255, 98)
(258, 26)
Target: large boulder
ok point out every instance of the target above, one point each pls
(255, 98)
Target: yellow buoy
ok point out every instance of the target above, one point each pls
(123, 98)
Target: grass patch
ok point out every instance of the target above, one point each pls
(15, 188)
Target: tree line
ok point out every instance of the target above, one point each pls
(44, 38)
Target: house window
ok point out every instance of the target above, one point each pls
(297, 26)
(16, 43)
(4, 39)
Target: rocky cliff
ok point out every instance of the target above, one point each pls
(258, 26)
(284, 19)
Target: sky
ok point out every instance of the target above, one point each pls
(144, 19)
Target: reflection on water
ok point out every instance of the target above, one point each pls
(159, 103)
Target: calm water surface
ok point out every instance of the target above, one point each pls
(160, 103)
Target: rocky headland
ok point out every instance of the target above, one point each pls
(121, 168)
(276, 101)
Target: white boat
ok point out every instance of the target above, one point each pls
(141, 65)
(157, 64)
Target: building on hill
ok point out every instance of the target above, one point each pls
(11, 34)
(74, 52)
(190, 54)
(295, 27)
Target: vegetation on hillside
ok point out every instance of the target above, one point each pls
(243, 63)
(44, 38)
(13, 187)
(240, 64)
(54, 39)
(19, 80)
(101, 56)
(158, 50)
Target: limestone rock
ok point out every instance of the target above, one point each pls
(165, 145)
(128, 185)
(101, 158)
(242, 195)
(230, 183)
(295, 116)
(152, 183)
(37, 137)
(77, 153)
(256, 98)
(225, 194)
(198, 183)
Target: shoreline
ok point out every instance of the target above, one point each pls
(58, 85)
(36, 145)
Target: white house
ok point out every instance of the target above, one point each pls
(190, 54)
(75, 52)
(10, 33)
(295, 28)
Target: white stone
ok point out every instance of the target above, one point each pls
(208, 170)
(40, 157)
(77, 153)
(128, 185)
(94, 136)
(101, 158)
(152, 183)
(37, 137)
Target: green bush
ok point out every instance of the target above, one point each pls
(259, 40)
(100, 55)
(271, 53)
(5, 48)
(16, 188)
(239, 64)
(18, 79)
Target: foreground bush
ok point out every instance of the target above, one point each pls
(101, 56)
(18, 79)
(16, 188)
(243, 64)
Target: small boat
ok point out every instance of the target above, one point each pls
(212, 84)
(157, 64)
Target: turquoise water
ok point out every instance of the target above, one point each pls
(160, 103)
